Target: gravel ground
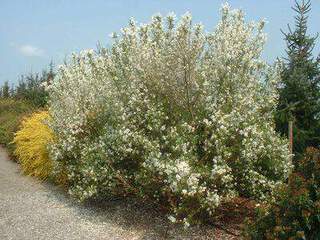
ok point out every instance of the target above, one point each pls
(31, 210)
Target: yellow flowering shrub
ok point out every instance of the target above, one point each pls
(31, 145)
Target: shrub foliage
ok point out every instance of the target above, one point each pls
(172, 114)
(295, 213)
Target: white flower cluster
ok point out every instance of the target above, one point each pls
(171, 113)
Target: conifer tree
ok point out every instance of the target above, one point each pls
(5, 90)
(299, 90)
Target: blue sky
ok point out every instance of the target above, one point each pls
(34, 32)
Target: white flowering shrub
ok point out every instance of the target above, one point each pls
(171, 114)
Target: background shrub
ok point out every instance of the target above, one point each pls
(32, 142)
(11, 113)
(295, 212)
(30, 88)
(20, 100)
(172, 114)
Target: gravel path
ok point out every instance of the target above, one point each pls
(33, 210)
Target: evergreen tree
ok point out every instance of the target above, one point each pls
(5, 90)
(21, 89)
(299, 91)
